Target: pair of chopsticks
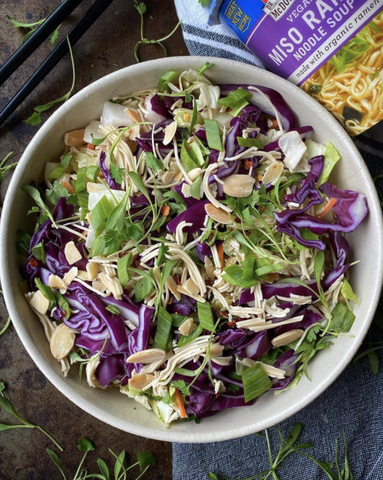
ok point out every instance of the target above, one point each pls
(34, 41)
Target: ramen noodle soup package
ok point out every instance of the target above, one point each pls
(332, 49)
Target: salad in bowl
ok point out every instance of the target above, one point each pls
(189, 247)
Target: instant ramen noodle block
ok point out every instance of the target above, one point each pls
(332, 49)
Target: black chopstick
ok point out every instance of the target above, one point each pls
(57, 54)
(34, 41)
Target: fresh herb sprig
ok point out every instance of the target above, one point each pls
(7, 405)
(141, 9)
(288, 446)
(5, 168)
(32, 27)
(35, 118)
(144, 461)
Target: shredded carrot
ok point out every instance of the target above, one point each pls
(263, 209)
(177, 279)
(68, 186)
(248, 164)
(180, 404)
(91, 146)
(327, 208)
(220, 255)
(101, 174)
(232, 324)
(170, 301)
(32, 262)
(165, 210)
(259, 177)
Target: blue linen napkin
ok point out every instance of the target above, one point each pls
(353, 404)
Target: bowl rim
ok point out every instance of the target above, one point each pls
(58, 381)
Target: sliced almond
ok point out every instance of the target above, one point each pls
(133, 114)
(178, 176)
(147, 356)
(216, 350)
(71, 253)
(62, 341)
(83, 275)
(92, 270)
(56, 282)
(141, 380)
(170, 131)
(185, 189)
(187, 327)
(209, 267)
(167, 177)
(218, 214)
(273, 173)
(195, 173)
(286, 338)
(98, 286)
(191, 287)
(70, 276)
(39, 302)
(75, 138)
(238, 185)
(183, 290)
(172, 286)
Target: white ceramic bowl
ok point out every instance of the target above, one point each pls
(116, 409)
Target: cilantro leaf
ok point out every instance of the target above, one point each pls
(152, 162)
(182, 387)
(116, 173)
(140, 7)
(145, 459)
(85, 445)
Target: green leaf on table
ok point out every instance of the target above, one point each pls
(103, 468)
(85, 445)
(56, 461)
(119, 465)
(145, 459)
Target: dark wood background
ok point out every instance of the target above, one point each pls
(105, 48)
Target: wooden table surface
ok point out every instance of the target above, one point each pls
(105, 48)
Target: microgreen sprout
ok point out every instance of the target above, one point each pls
(289, 446)
(7, 405)
(32, 27)
(141, 9)
(35, 118)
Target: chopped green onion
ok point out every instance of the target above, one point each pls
(255, 382)
(165, 79)
(213, 134)
(60, 169)
(152, 162)
(236, 100)
(164, 325)
(178, 320)
(185, 372)
(195, 189)
(113, 309)
(63, 304)
(38, 251)
(123, 265)
(185, 339)
(250, 142)
(205, 316)
(46, 291)
(92, 173)
(143, 287)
